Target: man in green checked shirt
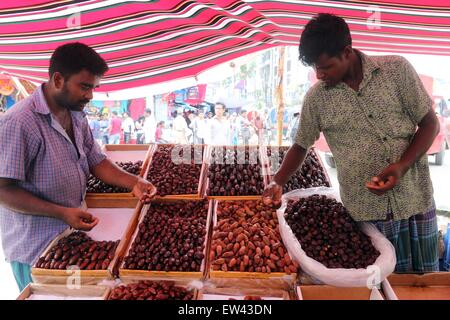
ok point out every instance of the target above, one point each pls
(378, 121)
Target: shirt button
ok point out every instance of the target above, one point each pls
(370, 116)
(384, 139)
(359, 94)
(388, 160)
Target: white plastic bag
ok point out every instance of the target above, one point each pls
(370, 277)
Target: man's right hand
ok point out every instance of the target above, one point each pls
(79, 219)
(272, 195)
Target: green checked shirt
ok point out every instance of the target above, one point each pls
(368, 130)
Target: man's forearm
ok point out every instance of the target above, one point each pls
(111, 174)
(293, 159)
(15, 198)
(422, 140)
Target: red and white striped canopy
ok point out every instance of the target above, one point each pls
(147, 42)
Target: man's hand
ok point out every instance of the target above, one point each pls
(79, 219)
(272, 195)
(144, 190)
(387, 179)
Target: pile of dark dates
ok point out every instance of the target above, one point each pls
(80, 250)
(95, 185)
(173, 176)
(235, 172)
(310, 175)
(328, 234)
(151, 290)
(171, 237)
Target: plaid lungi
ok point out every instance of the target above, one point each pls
(415, 241)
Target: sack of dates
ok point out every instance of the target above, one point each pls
(329, 245)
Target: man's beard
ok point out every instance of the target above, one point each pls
(62, 99)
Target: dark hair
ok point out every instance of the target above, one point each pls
(148, 111)
(324, 33)
(222, 104)
(114, 113)
(160, 123)
(242, 111)
(71, 58)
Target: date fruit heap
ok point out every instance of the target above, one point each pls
(246, 239)
(150, 290)
(79, 249)
(174, 178)
(242, 178)
(310, 175)
(95, 185)
(171, 237)
(328, 234)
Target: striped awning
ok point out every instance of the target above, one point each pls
(147, 42)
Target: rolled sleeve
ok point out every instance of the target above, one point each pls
(18, 149)
(308, 130)
(417, 102)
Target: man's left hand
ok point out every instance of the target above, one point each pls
(144, 190)
(387, 179)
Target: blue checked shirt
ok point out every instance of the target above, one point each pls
(36, 151)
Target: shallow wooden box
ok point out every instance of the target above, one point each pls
(273, 280)
(269, 168)
(325, 292)
(428, 286)
(112, 225)
(163, 275)
(264, 173)
(121, 153)
(240, 293)
(181, 282)
(201, 190)
(63, 292)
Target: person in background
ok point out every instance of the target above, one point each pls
(160, 133)
(234, 129)
(259, 126)
(94, 124)
(115, 128)
(104, 125)
(127, 127)
(244, 127)
(149, 126)
(139, 125)
(292, 127)
(219, 127)
(47, 155)
(180, 128)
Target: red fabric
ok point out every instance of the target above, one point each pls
(137, 108)
(116, 125)
(157, 41)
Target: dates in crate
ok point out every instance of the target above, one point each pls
(151, 290)
(310, 175)
(246, 239)
(171, 237)
(172, 174)
(79, 249)
(328, 234)
(95, 185)
(235, 172)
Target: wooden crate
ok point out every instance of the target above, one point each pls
(111, 226)
(120, 153)
(264, 173)
(201, 191)
(180, 282)
(429, 286)
(325, 292)
(241, 293)
(163, 275)
(269, 169)
(273, 280)
(63, 292)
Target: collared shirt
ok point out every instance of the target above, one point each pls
(37, 152)
(219, 132)
(369, 129)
